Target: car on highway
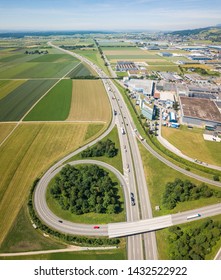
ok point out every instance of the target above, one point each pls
(60, 221)
(132, 199)
(96, 227)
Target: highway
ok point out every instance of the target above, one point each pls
(133, 181)
(132, 165)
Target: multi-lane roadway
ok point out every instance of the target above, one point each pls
(138, 209)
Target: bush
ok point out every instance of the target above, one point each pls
(180, 191)
(216, 178)
(102, 148)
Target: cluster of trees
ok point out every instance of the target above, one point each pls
(102, 148)
(180, 191)
(79, 240)
(194, 243)
(86, 189)
(76, 47)
(36, 52)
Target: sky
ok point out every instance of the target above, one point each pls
(109, 15)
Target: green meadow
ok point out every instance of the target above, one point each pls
(55, 106)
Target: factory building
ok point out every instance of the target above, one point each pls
(172, 117)
(199, 112)
(123, 66)
(146, 87)
(148, 110)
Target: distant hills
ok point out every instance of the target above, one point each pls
(212, 33)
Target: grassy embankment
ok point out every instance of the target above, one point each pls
(186, 140)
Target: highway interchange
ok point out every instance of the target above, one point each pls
(141, 244)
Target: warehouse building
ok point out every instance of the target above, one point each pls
(123, 66)
(199, 112)
(146, 87)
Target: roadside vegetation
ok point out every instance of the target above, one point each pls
(195, 243)
(158, 175)
(180, 191)
(102, 148)
(115, 161)
(114, 254)
(198, 240)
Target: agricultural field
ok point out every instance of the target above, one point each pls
(196, 146)
(29, 70)
(5, 129)
(94, 56)
(7, 86)
(37, 147)
(54, 106)
(81, 71)
(89, 102)
(19, 101)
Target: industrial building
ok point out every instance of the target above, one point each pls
(168, 76)
(199, 112)
(148, 110)
(146, 87)
(172, 117)
(166, 54)
(123, 66)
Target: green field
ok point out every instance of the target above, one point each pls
(94, 56)
(30, 70)
(55, 58)
(19, 101)
(55, 106)
(81, 71)
(157, 175)
(196, 146)
(7, 86)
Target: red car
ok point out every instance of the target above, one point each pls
(96, 227)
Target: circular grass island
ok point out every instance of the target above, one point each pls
(87, 194)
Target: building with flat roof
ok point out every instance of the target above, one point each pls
(146, 87)
(123, 66)
(199, 112)
(148, 110)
